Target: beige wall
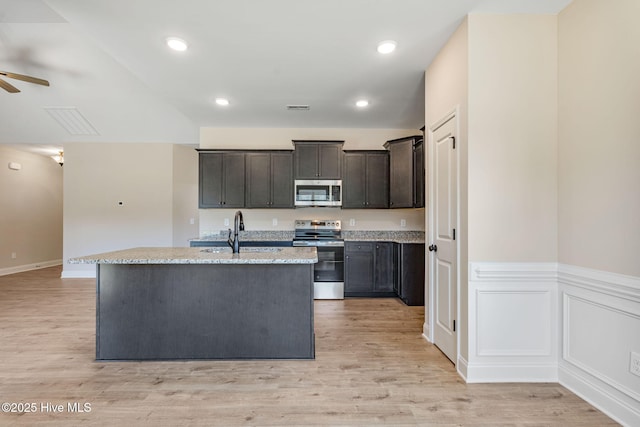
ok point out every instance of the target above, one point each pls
(280, 138)
(212, 220)
(185, 195)
(500, 72)
(30, 211)
(512, 138)
(97, 177)
(446, 88)
(599, 136)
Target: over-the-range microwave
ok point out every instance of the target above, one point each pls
(318, 192)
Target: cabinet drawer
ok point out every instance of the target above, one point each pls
(359, 246)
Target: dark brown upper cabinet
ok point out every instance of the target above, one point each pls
(269, 179)
(406, 172)
(365, 179)
(318, 159)
(221, 180)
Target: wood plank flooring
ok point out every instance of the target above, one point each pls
(372, 367)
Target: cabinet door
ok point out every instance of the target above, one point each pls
(354, 182)
(306, 159)
(282, 180)
(210, 180)
(401, 174)
(418, 171)
(258, 191)
(411, 273)
(384, 271)
(233, 180)
(377, 180)
(358, 267)
(330, 161)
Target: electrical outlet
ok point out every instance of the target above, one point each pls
(192, 221)
(226, 222)
(274, 221)
(403, 223)
(352, 222)
(634, 366)
(14, 255)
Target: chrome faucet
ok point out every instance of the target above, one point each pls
(238, 225)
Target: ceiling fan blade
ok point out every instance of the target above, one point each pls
(8, 87)
(25, 78)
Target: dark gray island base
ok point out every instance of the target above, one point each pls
(169, 311)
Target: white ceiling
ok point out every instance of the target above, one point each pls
(108, 59)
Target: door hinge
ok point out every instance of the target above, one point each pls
(454, 325)
(453, 138)
(454, 234)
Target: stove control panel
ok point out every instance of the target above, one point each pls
(324, 224)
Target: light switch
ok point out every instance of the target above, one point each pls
(226, 222)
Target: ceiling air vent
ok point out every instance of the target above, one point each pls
(72, 120)
(298, 107)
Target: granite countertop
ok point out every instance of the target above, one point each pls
(383, 236)
(163, 255)
(347, 235)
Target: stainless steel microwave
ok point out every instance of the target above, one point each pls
(318, 192)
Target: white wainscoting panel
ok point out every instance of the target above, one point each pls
(600, 330)
(513, 334)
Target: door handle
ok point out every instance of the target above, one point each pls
(433, 248)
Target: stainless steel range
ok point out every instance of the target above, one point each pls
(328, 272)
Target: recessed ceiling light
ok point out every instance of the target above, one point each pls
(362, 103)
(177, 44)
(386, 46)
(222, 101)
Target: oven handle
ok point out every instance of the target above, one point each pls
(323, 245)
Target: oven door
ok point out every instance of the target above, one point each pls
(330, 265)
(328, 273)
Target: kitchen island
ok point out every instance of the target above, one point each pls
(194, 303)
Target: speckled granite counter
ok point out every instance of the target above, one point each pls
(248, 236)
(159, 255)
(348, 235)
(384, 236)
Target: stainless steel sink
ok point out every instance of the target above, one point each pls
(254, 249)
(260, 249)
(216, 250)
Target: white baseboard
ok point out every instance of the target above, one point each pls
(463, 368)
(512, 373)
(29, 267)
(426, 332)
(79, 274)
(623, 410)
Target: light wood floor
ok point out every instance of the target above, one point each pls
(372, 367)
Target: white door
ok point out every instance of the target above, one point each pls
(442, 242)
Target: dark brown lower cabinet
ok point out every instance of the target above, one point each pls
(410, 278)
(369, 269)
